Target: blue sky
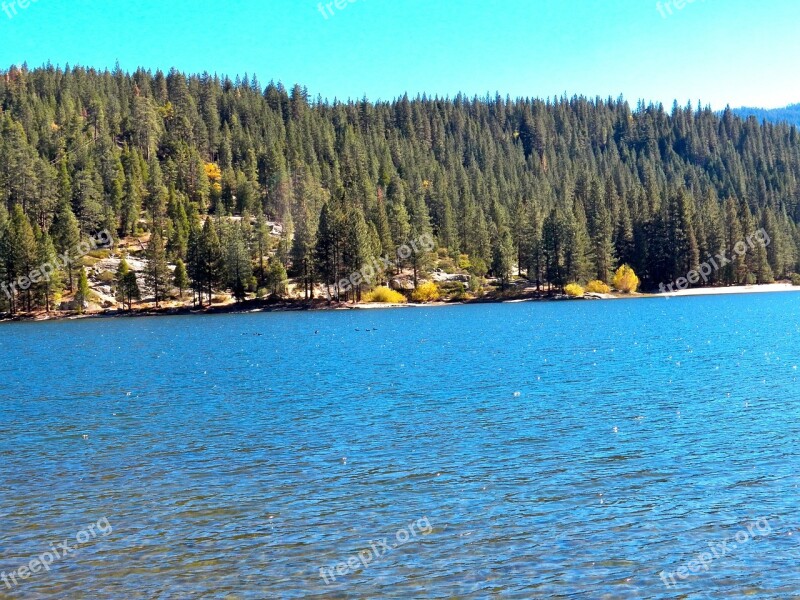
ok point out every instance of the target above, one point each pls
(738, 52)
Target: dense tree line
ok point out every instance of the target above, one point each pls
(788, 114)
(560, 190)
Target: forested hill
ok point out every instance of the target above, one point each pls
(789, 114)
(561, 190)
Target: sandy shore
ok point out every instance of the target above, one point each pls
(371, 305)
(319, 304)
(734, 289)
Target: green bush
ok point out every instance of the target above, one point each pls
(458, 291)
(107, 277)
(475, 284)
(447, 265)
(795, 278)
(478, 267)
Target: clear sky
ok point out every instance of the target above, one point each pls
(737, 52)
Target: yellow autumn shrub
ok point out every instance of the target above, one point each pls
(597, 287)
(574, 290)
(213, 172)
(625, 280)
(426, 292)
(384, 295)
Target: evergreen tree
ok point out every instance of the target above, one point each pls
(50, 284)
(601, 231)
(577, 251)
(181, 277)
(327, 249)
(122, 270)
(503, 260)
(276, 279)
(127, 285)
(195, 262)
(303, 250)
(66, 237)
(6, 298)
(554, 239)
(82, 292)
(24, 254)
(237, 260)
(734, 272)
(212, 263)
(157, 274)
(262, 245)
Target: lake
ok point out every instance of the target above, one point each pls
(604, 449)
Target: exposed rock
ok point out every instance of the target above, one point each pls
(440, 276)
(401, 284)
(72, 305)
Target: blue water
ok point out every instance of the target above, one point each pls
(537, 450)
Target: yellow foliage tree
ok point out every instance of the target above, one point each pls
(384, 295)
(597, 287)
(574, 290)
(426, 292)
(625, 280)
(213, 172)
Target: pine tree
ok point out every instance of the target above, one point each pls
(554, 240)
(24, 252)
(681, 241)
(195, 260)
(127, 285)
(503, 259)
(122, 270)
(327, 249)
(421, 233)
(601, 232)
(303, 250)
(577, 250)
(179, 232)
(82, 292)
(211, 259)
(262, 246)
(157, 274)
(88, 198)
(6, 260)
(735, 271)
(276, 279)
(399, 220)
(132, 194)
(531, 245)
(66, 237)
(355, 248)
(237, 260)
(181, 278)
(50, 285)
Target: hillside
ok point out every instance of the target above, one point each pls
(789, 114)
(303, 193)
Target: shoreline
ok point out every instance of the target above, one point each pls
(764, 288)
(263, 306)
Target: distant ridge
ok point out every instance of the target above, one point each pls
(789, 114)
